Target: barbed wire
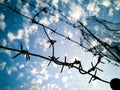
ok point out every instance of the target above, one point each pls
(36, 22)
(58, 62)
(52, 58)
(83, 28)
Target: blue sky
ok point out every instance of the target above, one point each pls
(17, 74)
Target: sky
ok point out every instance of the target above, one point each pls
(19, 74)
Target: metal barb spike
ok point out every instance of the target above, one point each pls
(62, 68)
(90, 80)
(16, 55)
(21, 47)
(49, 63)
(44, 9)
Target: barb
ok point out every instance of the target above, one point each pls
(64, 14)
(52, 42)
(83, 27)
(93, 77)
(37, 14)
(67, 22)
(103, 44)
(94, 68)
(36, 22)
(25, 52)
(63, 65)
(76, 62)
(53, 58)
(58, 62)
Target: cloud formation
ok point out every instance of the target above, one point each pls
(93, 8)
(106, 3)
(2, 21)
(23, 34)
(76, 11)
(2, 65)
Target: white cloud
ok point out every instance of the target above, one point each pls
(65, 1)
(45, 74)
(54, 86)
(95, 43)
(2, 22)
(14, 68)
(57, 76)
(39, 3)
(96, 28)
(43, 64)
(49, 86)
(84, 21)
(64, 79)
(34, 71)
(45, 21)
(43, 71)
(55, 65)
(19, 4)
(8, 52)
(55, 3)
(21, 75)
(42, 42)
(29, 30)
(4, 42)
(110, 12)
(2, 16)
(2, 65)
(25, 10)
(108, 40)
(76, 11)
(117, 4)
(106, 3)
(11, 69)
(53, 19)
(80, 1)
(68, 33)
(35, 87)
(21, 66)
(93, 8)
(2, 25)
(23, 34)
(12, 37)
(37, 81)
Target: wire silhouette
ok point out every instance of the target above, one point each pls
(77, 63)
(57, 61)
(25, 52)
(81, 27)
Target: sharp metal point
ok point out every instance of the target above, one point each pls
(21, 47)
(16, 55)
